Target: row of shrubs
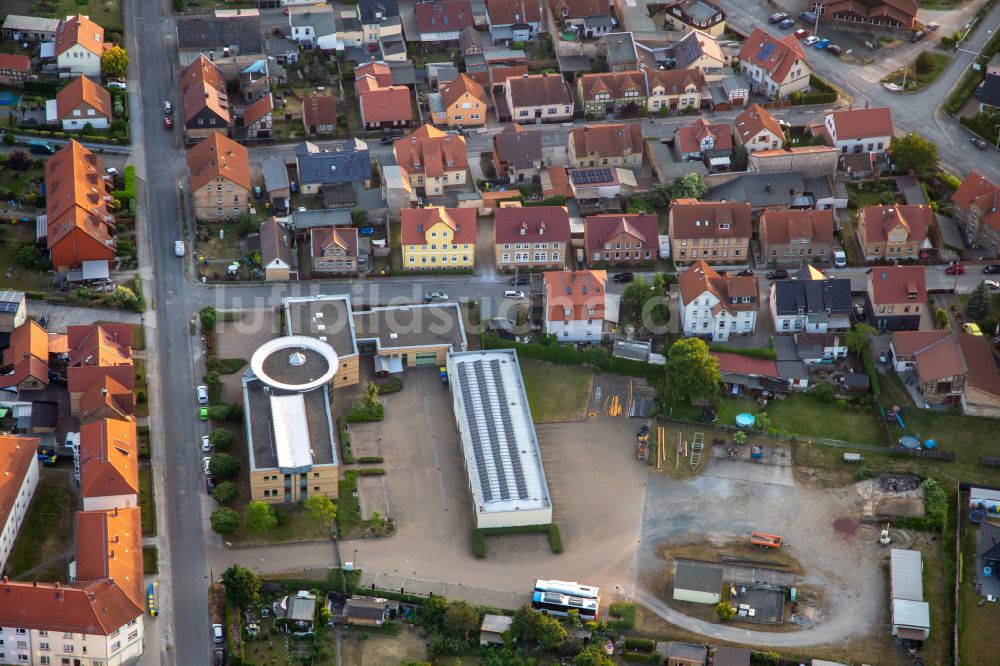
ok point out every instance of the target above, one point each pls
(597, 358)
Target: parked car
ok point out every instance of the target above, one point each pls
(810, 40)
(210, 484)
(917, 36)
(206, 462)
(808, 17)
(387, 141)
(167, 108)
(623, 278)
(111, 171)
(859, 312)
(931, 27)
(746, 272)
(257, 192)
(520, 281)
(777, 17)
(979, 143)
(839, 259)
(294, 187)
(41, 148)
(955, 269)
(220, 655)
(822, 44)
(992, 285)
(786, 24)
(120, 85)
(203, 413)
(179, 248)
(800, 34)
(991, 268)
(777, 274)
(513, 293)
(206, 444)
(834, 49)
(972, 328)
(432, 296)
(202, 395)
(217, 633)
(168, 123)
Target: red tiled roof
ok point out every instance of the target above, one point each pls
(696, 219)
(109, 546)
(701, 277)
(500, 73)
(28, 339)
(755, 120)
(675, 81)
(319, 110)
(100, 344)
(215, 156)
(446, 16)
(382, 105)
(876, 221)
(779, 226)
(509, 12)
(611, 140)
(935, 353)
(983, 375)
(689, 137)
(109, 458)
(782, 53)
(95, 608)
(577, 291)
(320, 238)
(539, 90)
(377, 70)
(19, 63)
(903, 11)
(76, 191)
(616, 84)
(978, 193)
(531, 224)
(579, 9)
(27, 368)
(258, 110)
(79, 30)
(863, 123)
(601, 229)
(107, 393)
(415, 222)
(16, 454)
(745, 365)
(430, 151)
(82, 90)
(889, 285)
(558, 182)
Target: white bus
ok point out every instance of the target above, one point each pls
(558, 597)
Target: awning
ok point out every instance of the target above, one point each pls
(388, 364)
(51, 111)
(719, 161)
(48, 50)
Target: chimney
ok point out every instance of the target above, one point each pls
(57, 585)
(867, 104)
(767, 187)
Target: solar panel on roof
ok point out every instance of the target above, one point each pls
(7, 306)
(766, 49)
(589, 176)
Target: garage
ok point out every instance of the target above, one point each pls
(426, 358)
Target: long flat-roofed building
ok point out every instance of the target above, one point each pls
(502, 458)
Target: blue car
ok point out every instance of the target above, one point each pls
(822, 44)
(366, 231)
(786, 24)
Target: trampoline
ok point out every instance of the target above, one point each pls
(977, 516)
(8, 99)
(908, 442)
(745, 420)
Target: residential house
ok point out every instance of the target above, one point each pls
(256, 79)
(574, 12)
(575, 305)
(894, 232)
(602, 94)
(296, 613)
(276, 183)
(718, 232)
(815, 348)
(897, 295)
(367, 611)
(517, 154)
(702, 15)
(314, 27)
(898, 15)
(284, 51)
(233, 38)
(79, 46)
(595, 27)
(605, 145)
(462, 103)
(493, 628)
(107, 464)
(858, 130)
(989, 94)
(619, 50)
(807, 161)
(590, 185)
(106, 398)
(79, 221)
(757, 129)
(513, 20)
(716, 306)
(258, 119)
(775, 67)
(438, 238)
(432, 160)
(703, 140)
(383, 105)
(531, 237)
(699, 50)
(379, 19)
(674, 89)
(811, 302)
(621, 240)
(95, 352)
(778, 191)
(334, 250)
(342, 165)
(30, 28)
(19, 462)
(683, 654)
(936, 359)
(982, 383)
(14, 69)
(319, 114)
(472, 42)
(109, 546)
(13, 310)
(28, 358)
(444, 20)
(977, 201)
(204, 99)
(534, 97)
(794, 236)
(219, 172)
(276, 253)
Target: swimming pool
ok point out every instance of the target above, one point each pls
(8, 98)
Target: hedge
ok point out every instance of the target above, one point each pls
(370, 459)
(370, 471)
(479, 535)
(393, 385)
(345, 443)
(966, 86)
(479, 544)
(361, 413)
(224, 366)
(641, 644)
(597, 358)
(625, 612)
(753, 352)
(348, 509)
(643, 658)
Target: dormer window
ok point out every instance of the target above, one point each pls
(523, 231)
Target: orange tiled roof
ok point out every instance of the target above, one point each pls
(576, 291)
(755, 120)
(109, 545)
(217, 156)
(95, 608)
(416, 221)
(430, 151)
(461, 87)
(82, 90)
(109, 458)
(79, 30)
(28, 339)
(977, 192)
(258, 110)
(107, 393)
(612, 140)
(781, 55)
(77, 195)
(701, 277)
(16, 454)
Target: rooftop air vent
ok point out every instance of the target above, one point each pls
(297, 359)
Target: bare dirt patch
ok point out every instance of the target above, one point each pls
(366, 649)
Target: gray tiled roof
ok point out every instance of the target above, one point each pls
(813, 296)
(208, 32)
(275, 173)
(346, 163)
(771, 189)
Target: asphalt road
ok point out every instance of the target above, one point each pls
(159, 166)
(911, 112)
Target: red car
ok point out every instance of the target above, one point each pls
(168, 123)
(800, 34)
(955, 269)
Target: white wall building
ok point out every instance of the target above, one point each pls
(502, 458)
(715, 306)
(18, 480)
(574, 305)
(860, 130)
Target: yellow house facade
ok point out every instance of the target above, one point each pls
(435, 237)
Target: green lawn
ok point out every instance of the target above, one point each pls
(12, 275)
(914, 80)
(556, 392)
(147, 501)
(293, 525)
(106, 13)
(728, 409)
(46, 532)
(809, 417)
(975, 643)
(865, 194)
(138, 337)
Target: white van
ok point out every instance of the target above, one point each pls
(839, 259)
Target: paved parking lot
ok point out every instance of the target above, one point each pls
(239, 339)
(594, 480)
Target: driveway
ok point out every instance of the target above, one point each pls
(843, 563)
(61, 316)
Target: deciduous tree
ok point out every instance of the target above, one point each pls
(225, 521)
(691, 371)
(223, 465)
(242, 586)
(227, 491)
(689, 186)
(914, 153)
(221, 439)
(114, 62)
(321, 509)
(260, 517)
